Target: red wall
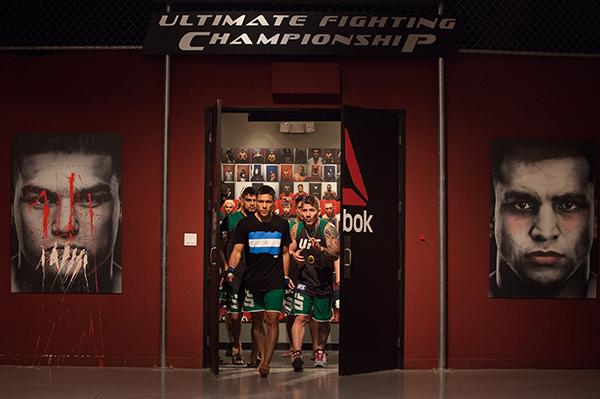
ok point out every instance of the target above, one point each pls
(82, 92)
(122, 92)
(492, 97)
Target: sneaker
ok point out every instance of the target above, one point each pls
(320, 359)
(229, 350)
(297, 362)
(237, 359)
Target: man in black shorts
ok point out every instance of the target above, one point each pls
(264, 239)
(315, 247)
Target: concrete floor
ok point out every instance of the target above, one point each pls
(124, 383)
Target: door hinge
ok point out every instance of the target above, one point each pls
(400, 207)
(399, 343)
(210, 137)
(207, 340)
(399, 274)
(400, 141)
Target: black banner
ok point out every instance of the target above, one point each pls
(299, 34)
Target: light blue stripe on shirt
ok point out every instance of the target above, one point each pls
(265, 242)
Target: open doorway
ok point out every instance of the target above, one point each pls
(297, 158)
(352, 157)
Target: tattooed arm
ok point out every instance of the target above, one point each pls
(332, 241)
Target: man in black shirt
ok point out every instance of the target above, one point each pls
(315, 247)
(264, 238)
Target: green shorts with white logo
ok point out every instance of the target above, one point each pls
(257, 301)
(234, 301)
(320, 307)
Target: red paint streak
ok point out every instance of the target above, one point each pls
(58, 212)
(91, 214)
(46, 210)
(71, 199)
(101, 354)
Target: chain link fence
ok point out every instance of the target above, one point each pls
(548, 26)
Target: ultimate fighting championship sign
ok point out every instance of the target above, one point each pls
(265, 33)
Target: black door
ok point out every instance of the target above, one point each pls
(372, 227)
(212, 260)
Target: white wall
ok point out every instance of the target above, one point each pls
(236, 131)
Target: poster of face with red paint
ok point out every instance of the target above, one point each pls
(66, 212)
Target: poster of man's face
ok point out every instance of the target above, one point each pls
(543, 220)
(66, 213)
(315, 189)
(273, 155)
(258, 155)
(228, 172)
(287, 173)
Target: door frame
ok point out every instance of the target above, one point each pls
(274, 114)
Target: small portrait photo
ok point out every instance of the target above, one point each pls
(272, 155)
(227, 192)
(287, 173)
(257, 173)
(329, 173)
(258, 155)
(239, 187)
(300, 155)
(272, 173)
(338, 155)
(286, 155)
(242, 155)
(229, 206)
(300, 190)
(300, 172)
(315, 173)
(329, 192)
(286, 190)
(315, 156)
(315, 189)
(542, 219)
(329, 155)
(286, 208)
(242, 172)
(330, 211)
(228, 172)
(229, 155)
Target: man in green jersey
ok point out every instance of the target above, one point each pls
(315, 247)
(229, 294)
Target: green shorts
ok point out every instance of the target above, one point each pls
(257, 301)
(288, 301)
(234, 302)
(320, 307)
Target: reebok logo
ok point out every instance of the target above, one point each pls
(358, 223)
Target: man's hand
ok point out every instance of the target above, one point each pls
(229, 276)
(290, 283)
(315, 244)
(297, 257)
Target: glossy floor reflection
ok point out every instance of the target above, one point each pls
(124, 383)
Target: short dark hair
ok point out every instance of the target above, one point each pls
(299, 199)
(530, 151)
(311, 200)
(266, 189)
(248, 191)
(28, 144)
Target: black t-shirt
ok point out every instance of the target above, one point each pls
(316, 274)
(263, 249)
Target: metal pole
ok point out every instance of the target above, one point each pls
(164, 219)
(442, 208)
